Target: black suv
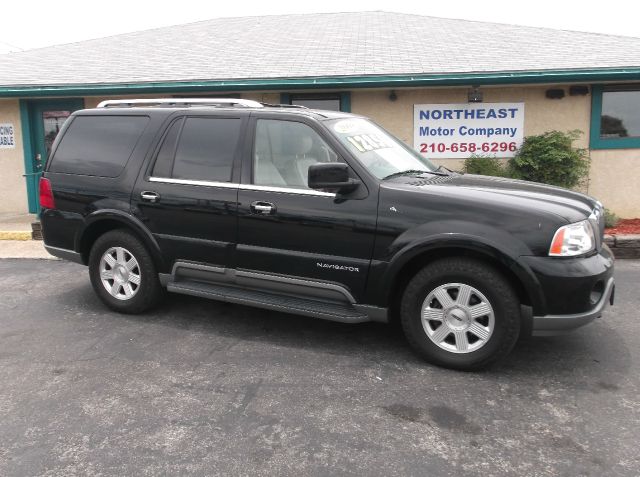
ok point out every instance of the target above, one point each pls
(322, 214)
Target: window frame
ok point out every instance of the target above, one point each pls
(250, 178)
(160, 145)
(65, 130)
(343, 96)
(236, 164)
(595, 141)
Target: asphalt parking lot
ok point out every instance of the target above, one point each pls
(205, 388)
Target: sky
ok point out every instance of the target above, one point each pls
(36, 23)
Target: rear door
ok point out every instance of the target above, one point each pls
(188, 196)
(286, 228)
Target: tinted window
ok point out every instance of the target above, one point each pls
(283, 152)
(98, 145)
(164, 160)
(206, 149)
(620, 114)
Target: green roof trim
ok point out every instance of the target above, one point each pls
(329, 82)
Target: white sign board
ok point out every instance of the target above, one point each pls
(7, 136)
(443, 131)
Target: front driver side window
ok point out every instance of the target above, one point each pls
(283, 152)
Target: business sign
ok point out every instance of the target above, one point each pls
(7, 136)
(461, 130)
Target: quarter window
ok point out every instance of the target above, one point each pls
(98, 145)
(206, 149)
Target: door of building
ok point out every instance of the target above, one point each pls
(45, 118)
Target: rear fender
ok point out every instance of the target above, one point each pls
(124, 220)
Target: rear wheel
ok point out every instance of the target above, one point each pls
(123, 274)
(460, 313)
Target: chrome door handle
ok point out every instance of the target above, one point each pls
(149, 196)
(262, 208)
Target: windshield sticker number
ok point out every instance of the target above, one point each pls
(346, 126)
(369, 142)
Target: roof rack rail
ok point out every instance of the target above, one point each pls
(179, 102)
(272, 105)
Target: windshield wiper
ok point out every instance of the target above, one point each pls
(446, 169)
(413, 171)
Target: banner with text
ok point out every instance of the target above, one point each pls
(7, 136)
(460, 130)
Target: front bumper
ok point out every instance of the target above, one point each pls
(575, 291)
(549, 325)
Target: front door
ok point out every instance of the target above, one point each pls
(46, 118)
(285, 228)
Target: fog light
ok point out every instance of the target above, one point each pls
(596, 292)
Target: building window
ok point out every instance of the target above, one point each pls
(327, 101)
(615, 117)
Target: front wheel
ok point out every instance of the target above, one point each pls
(123, 274)
(460, 313)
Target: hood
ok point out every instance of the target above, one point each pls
(571, 206)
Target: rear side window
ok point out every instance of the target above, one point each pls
(206, 149)
(98, 145)
(164, 160)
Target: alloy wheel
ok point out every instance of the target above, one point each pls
(457, 318)
(120, 273)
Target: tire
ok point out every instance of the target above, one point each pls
(475, 335)
(129, 297)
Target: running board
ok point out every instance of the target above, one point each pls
(342, 312)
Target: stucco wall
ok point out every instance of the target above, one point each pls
(615, 174)
(541, 114)
(615, 180)
(13, 188)
(614, 177)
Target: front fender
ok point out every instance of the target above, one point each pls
(447, 236)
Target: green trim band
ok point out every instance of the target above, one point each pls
(326, 82)
(595, 141)
(27, 151)
(345, 102)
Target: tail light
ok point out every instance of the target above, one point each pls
(46, 194)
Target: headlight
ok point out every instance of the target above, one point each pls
(573, 239)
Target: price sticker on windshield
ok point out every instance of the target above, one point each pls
(369, 142)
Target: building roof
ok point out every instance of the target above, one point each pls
(364, 44)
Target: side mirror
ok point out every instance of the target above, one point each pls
(333, 176)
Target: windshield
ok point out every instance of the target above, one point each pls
(381, 153)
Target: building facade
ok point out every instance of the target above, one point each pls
(555, 92)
